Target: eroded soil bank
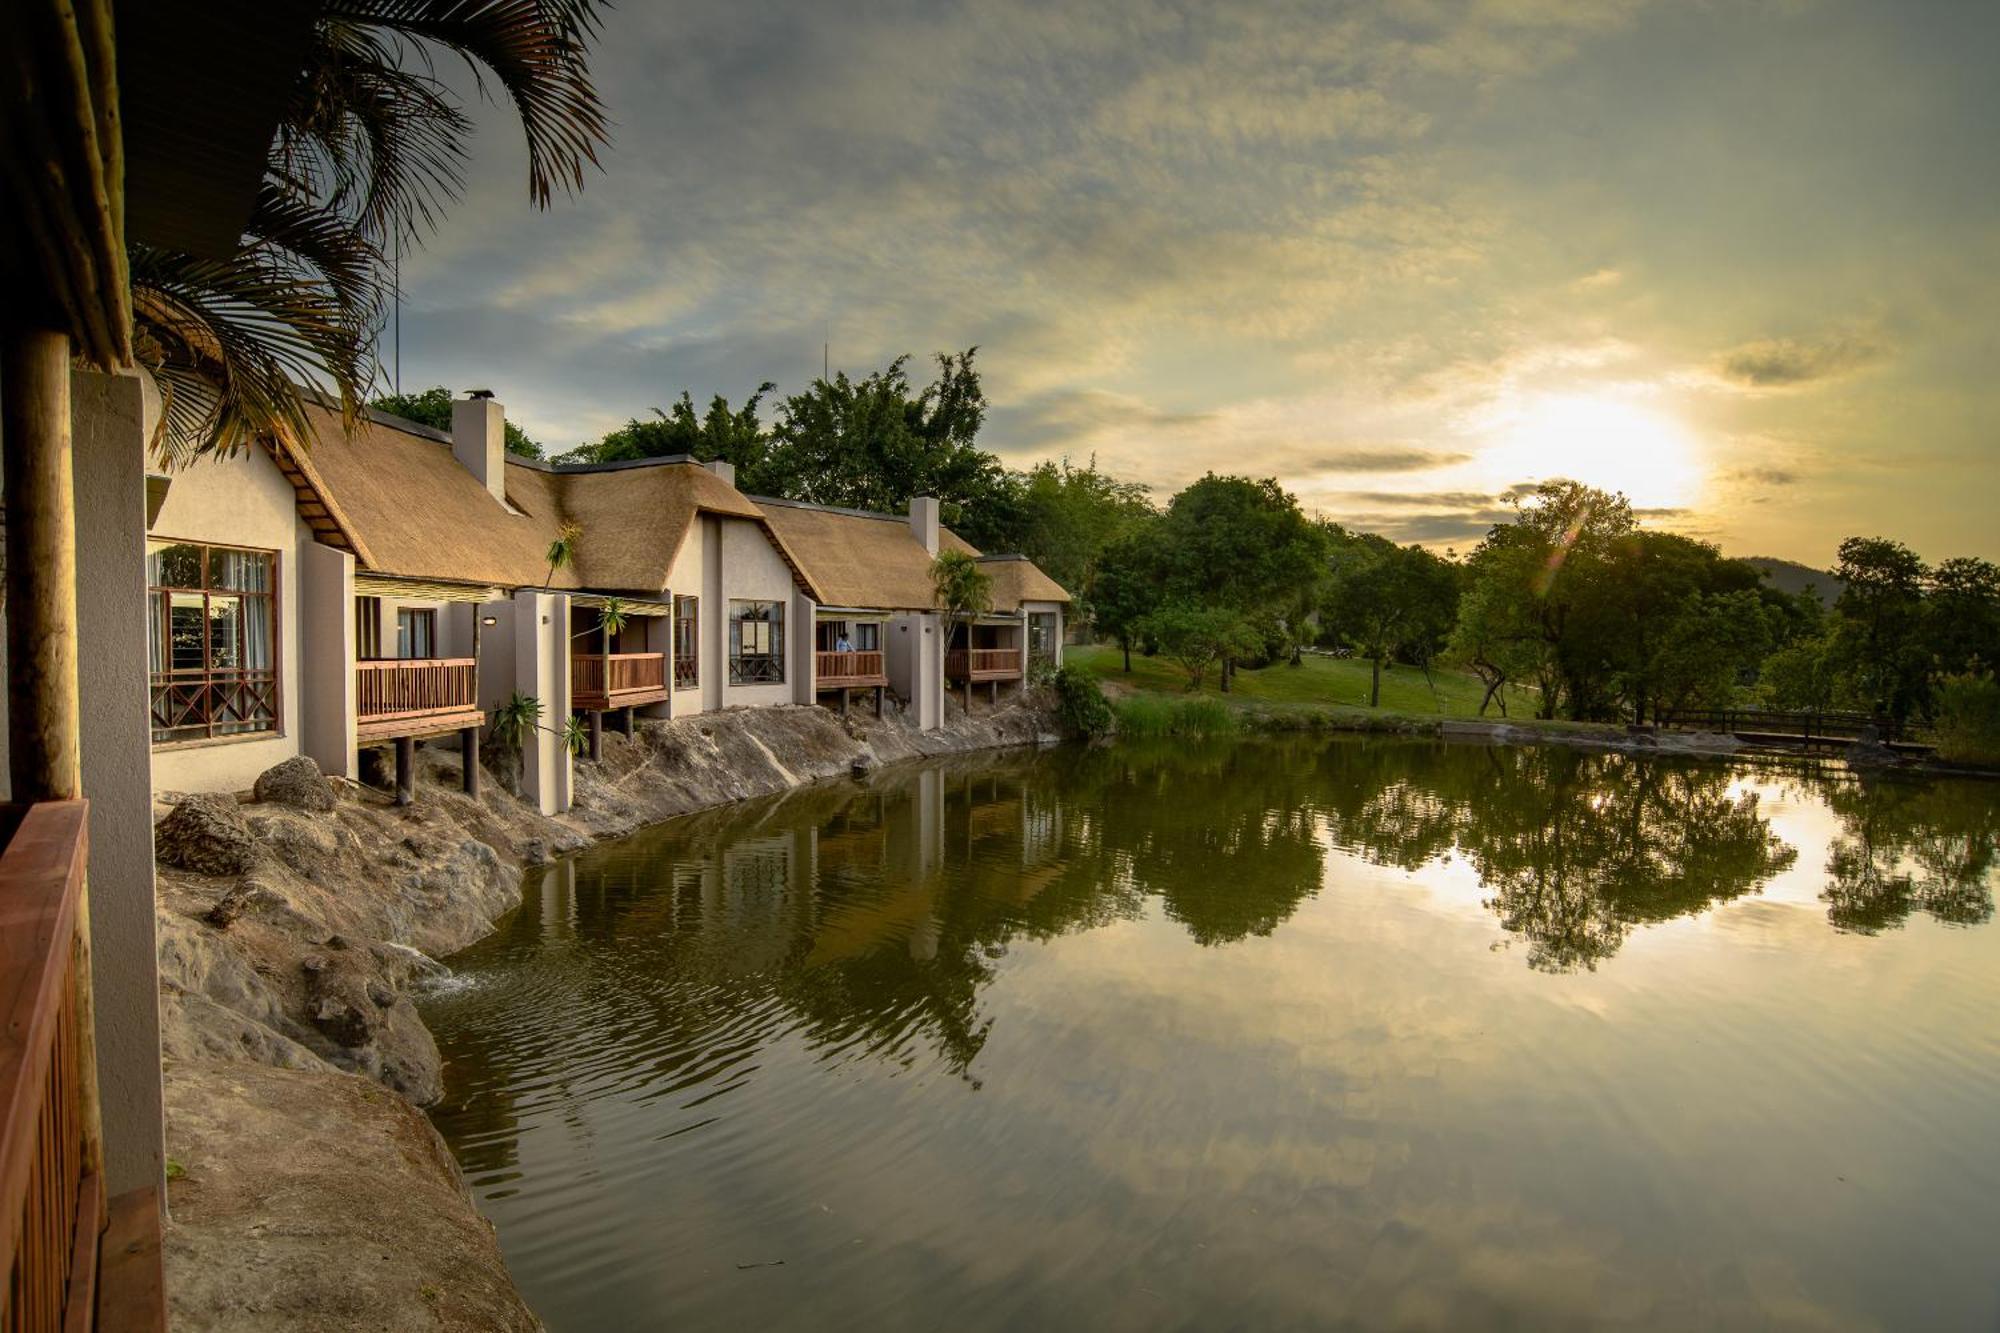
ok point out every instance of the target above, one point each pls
(294, 928)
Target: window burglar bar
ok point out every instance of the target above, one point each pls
(213, 614)
(756, 643)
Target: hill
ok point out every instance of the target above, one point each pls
(1792, 578)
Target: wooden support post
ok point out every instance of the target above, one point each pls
(625, 722)
(845, 695)
(993, 693)
(596, 734)
(406, 770)
(44, 713)
(468, 750)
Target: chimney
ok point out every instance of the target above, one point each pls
(479, 440)
(726, 471)
(924, 522)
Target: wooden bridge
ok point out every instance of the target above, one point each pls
(1804, 729)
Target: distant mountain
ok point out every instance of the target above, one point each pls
(1792, 578)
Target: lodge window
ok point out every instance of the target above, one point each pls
(213, 613)
(756, 643)
(416, 632)
(368, 628)
(687, 642)
(1042, 636)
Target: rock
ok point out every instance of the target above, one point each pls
(249, 897)
(206, 834)
(298, 782)
(313, 1201)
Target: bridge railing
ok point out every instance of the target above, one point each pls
(1805, 725)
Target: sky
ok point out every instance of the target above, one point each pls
(1739, 259)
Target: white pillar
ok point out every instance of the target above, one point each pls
(326, 667)
(112, 628)
(541, 669)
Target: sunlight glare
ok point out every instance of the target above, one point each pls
(1610, 443)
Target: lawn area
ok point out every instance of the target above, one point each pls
(1320, 683)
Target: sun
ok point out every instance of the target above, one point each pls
(1611, 443)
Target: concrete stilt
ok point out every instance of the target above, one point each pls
(468, 760)
(596, 735)
(406, 770)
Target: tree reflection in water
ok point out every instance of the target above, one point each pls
(869, 918)
(1907, 845)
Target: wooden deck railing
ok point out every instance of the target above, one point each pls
(52, 1204)
(982, 663)
(414, 687)
(839, 669)
(610, 680)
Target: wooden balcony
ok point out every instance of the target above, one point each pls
(416, 696)
(979, 665)
(849, 671)
(78, 1260)
(601, 682)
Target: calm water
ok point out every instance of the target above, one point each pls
(1349, 1034)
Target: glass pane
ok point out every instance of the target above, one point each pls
(244, 571)
(257, 652)
(190, 625)
(173, 565)
(225, 633)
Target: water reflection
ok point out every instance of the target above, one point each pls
(1240, 949)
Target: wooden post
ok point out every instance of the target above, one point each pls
(625, 721)
(596, 735)
(44, 715)
(845, 695)
(406, 770)
(468, 749)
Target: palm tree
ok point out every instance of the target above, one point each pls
(963, 591)
(562, 550)
(370, 151)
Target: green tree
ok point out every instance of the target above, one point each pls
(962, 592)
(1384, 597)
(1962, 616)
(1879, 636)
(1197, 638)
(1065, 517)
(1127, 587)
(432, 407)
(735, 435)
(1241, 545)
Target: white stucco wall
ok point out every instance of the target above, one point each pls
(326, 659)
(914, 644)
(541, 668)
(753, 570)
(115, 741)
(240, 501)
(1037, 608)
(728, 559)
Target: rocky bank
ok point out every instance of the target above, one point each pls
(294, 928)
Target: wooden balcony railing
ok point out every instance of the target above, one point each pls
(603, 681)
(980, 664)
(53, 1211)
(409, 696)
(848, 670)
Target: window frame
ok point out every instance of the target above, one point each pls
(687, 642)
(367, 628)
(1050, 621)
(269, 680)
(763, 668)
(425, 616)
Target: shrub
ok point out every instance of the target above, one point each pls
(1968, 720)
(1080, 704)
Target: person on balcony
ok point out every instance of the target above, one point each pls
(840, 643)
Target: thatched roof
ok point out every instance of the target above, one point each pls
(1017, 579)
(859, 559)
(856, 559)
(398, 498)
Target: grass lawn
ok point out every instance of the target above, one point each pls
(1322, 682)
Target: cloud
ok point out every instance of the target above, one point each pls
(1763, 476)
(1374, 458)
(1782, 363)
(1420, 499)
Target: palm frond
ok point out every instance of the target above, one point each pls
(536, 49)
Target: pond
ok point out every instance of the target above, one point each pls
(1350, 1032)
